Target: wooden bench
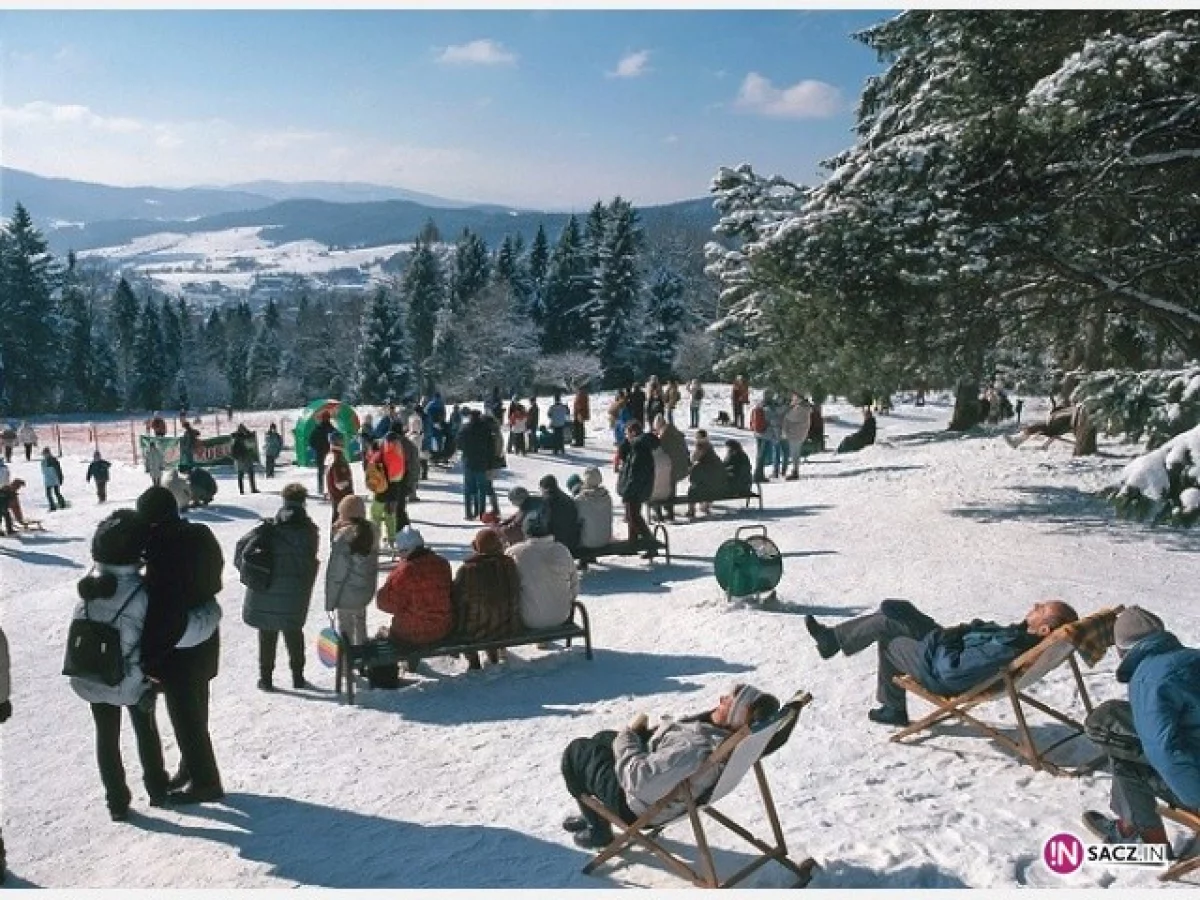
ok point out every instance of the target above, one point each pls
(749, 497)
(356, 659)
(585, 556)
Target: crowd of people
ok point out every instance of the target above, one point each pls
(157, 577)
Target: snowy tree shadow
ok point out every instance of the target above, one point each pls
(558, 683)
(866, 470)
(323, 846)
(838, 874)
(942, 436)
(220, 513)
(633, 575)
(1076, 512)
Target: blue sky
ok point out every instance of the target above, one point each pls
(531, 108)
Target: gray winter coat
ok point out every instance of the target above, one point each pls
(284, 605)
(648, 770)
(350, 578)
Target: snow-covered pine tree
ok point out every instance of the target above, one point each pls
(148, 376)
(172, 336)
(664, 318)
(616, 289)
(123, 321)
(28, 316)
(266, 351)
(239, 333)
(423, 289)
(75, 378)
(567, 294)
(383, 370)
(471, 271)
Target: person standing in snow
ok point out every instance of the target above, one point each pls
(353, 568)
(283, 606)
(243, 452)
(339, 480)
(9, 437)
(739, 398)
(559, 416)
(516, 427)
(796, 419)
(184, 564)
(318, 445)
(635, 483)
(154, 461)
(272, 447)
(52, 478)
(695, 397)
(98, 471)
(29, 438)
(532, 420)
(582, 414)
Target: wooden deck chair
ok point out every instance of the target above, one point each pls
(1189, 861)
(738, 754)
(1090, 637)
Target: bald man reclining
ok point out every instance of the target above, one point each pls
(946, 661)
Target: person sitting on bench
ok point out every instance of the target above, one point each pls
(707, 478)
(1153, 738)
(486, 596)
(595, 507)
(864, 437)
(549, 580)
(737, 466)
(564, 518)
(631, 770)
(416, 593)
(946, 661)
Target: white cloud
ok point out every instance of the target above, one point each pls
(40, 113)
(671, 139)
(803, 100)
(632, 65)
(483, 52)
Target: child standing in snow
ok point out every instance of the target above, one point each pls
(98, 472)
(52, 478)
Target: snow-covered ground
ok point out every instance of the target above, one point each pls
(454, 782)
(173, 260)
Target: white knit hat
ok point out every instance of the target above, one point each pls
(739, 709)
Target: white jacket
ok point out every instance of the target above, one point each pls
(595, 509)
(663, 483)
(350, 579)
(549, 581)
(647, 771)
(130, 623)
(795, 423)
(153, 458)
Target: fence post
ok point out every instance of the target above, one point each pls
(58, 438)
(133, 442)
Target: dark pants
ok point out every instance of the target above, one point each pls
(475, 487)
(268, 642)
(108, 753)
(695, 411)
(666, 509)
(101, 491)
(7, 514)
(560, 447)
(516, 442)
(896, 629)
(577, 433)
(187, 705)
(739, 415)
(399, 506)
(270, 466)
(28, 452)
(637, 527)
(51, 493)
(1136, 785)
(8, 454)
(589, 767)
(531, 439)
(241, 476)
(321, 476)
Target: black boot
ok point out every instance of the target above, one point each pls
(826, 638)
(298, 681)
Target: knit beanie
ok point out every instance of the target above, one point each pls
(573, 482)
(351, 507)
(488, 542)
(536, 522)
(517, 496)
(408, 540)
(1133, 624)
(157, 505)
(743, 699)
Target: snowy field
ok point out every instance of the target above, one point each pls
(454, 782)
(209, 256)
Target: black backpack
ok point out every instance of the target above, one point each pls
(94, 648)
(257, 563)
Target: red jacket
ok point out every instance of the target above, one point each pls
(417, 594)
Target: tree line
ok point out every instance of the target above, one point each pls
(595, 305)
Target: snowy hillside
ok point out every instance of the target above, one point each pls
(454, 781)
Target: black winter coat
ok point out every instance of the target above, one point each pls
(635, 484)
(475, 442)
(564, 519)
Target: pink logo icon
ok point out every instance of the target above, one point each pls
(1063, 854)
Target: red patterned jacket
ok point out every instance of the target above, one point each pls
(417, 594)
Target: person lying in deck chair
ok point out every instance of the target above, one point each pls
(629, 771)
(946, 661)
(1153, 739)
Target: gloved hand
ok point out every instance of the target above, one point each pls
(640, 722)
(5, 710)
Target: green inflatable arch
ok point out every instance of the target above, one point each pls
(341, 415)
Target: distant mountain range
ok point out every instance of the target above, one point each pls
(80, 216)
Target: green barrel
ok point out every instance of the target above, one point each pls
(748, 566)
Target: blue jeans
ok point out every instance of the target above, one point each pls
(764, 453)
(475, 486)
(783, 456)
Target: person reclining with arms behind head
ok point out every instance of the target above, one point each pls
(946, 661)
(631, 770)
(1153, 739)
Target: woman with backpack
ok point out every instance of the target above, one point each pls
(353, 569)
(114, 597)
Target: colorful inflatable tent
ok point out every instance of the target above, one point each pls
(344, 419)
